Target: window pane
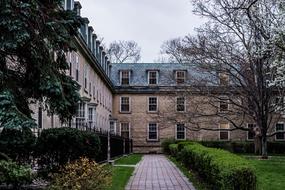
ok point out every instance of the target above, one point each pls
(125, 80)
(250, 133)
(180, 77)
(224, 135)
(152, 104)
(125, 130)
(181, 104)
(280, 127)
(125, 104)
(152, 77)
(180, 131)
(152, 131)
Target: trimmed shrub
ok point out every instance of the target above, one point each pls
(56, 147)
(18, 144)
(82, 174)
(165, 145)
(221, 169)
(13, 174)
(173, 149)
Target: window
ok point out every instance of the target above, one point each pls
(125, 104)
(224, 134)
(77, 68)
(125, 77)
(152, 104)
(180, 104)
(250, 133)
(80, 116)
(224, 79)
(180, 132)
(152, 131)
(125, 130)
(279, 128)
(152, 77)
(85, 76)
(91, 117)
(180, 77)
(112, 127)
(224, 104)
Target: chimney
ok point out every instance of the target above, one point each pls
(103, 59)
(69, 4)
(106, 66)
(94, 37)
(84, 29)
(100, 55)
(77, 8)
(89, 41)
(97, 49)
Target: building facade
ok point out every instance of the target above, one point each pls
(147, 102)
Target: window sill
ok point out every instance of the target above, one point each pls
(125, 112)
(152, 140)
(152, 112)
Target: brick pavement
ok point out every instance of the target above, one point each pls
(156, 172)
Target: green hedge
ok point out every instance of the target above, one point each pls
(18, 144)
(56, 147)
(244, 146)
(221, 169)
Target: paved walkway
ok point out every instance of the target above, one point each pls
(156, 172)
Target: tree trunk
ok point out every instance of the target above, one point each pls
(264, 147)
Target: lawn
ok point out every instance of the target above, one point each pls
(270, 173)
(122, 174)
(132, 159)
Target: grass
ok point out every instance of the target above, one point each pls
(270, 173)
(193, 178)
(120, 177)
(132, 159)
(122, 174)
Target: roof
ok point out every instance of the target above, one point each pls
(139, 76)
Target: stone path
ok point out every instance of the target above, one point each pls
(156, 172)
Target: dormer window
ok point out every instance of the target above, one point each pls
(180, 77)
(223, 79)
(152, 77)
(125, 77)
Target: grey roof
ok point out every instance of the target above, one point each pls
(166, 73)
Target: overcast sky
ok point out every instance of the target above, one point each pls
(148, 22)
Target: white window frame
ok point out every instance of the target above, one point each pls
(227, 100)
(114, 125)
(129, 104)
(148, 77)
(283, 130)
(121, 77)
(247, 133)
(176, 76)
(128, 128)
(184, 104)
(149, 104)
(157, 135)
(229, 134)
(176, 126)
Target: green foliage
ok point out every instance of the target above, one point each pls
(245, 147)
(13, 174)
(82, 174)
(17, 144)
(220, 168)
(34, 38)
(173, 149)
(56, 147)
(165, 145)
(4, 157)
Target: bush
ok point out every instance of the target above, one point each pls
(220, 168)
(18, 144)
(82, 174)
(13, 174)
(173, 149)
(165, 145)
(56, 147)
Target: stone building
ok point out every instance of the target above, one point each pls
(147, 102)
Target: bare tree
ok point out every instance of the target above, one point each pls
(233, 56)
(124, 52)
(172, 50)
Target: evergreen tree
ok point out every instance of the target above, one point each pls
(34, 37)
